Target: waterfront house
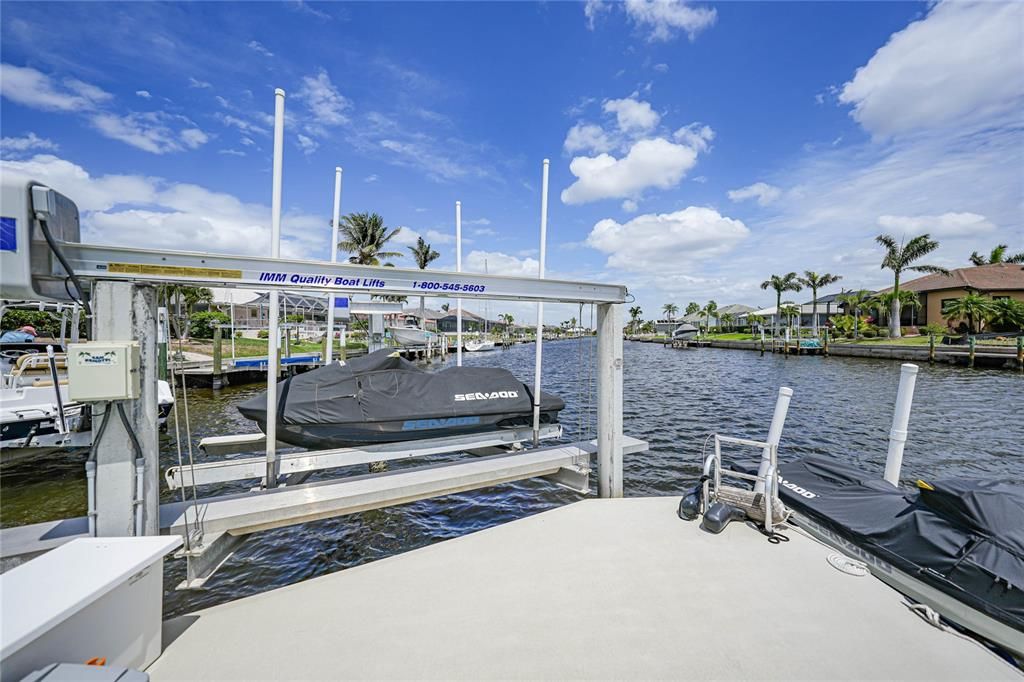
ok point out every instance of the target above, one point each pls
(999, 280)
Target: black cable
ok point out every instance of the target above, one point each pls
(82, 298)
(128, 428)
(99, 434)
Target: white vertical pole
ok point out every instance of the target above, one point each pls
(900, 422)
(609, 400)
(774, 435)
(232, 326)
(458, 268)
(334, 259)
(540, 304)
(275, 252)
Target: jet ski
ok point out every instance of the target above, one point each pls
(382, 398)
(954, 545)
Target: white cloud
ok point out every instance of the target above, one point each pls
(149, 132)
(257, 46)
(143, 211)
(660, 242)
(406, 236)
(144, 94)
(477, 221)
(307, 144)
(762, 191)
(485, 232)
(661, 68)
(632, 115)
(696, 135)
(34, 89)
(498, 263)
(423, 155)
(323, 99)
(630, 206)
(371, 178)
(949, 225)
(959, 66)
(701, 179)
(26, 143)
(193, 137)
(438, 237)
(196, 83)
(247, 141)
(592, 9)
(662, 18)
(231, 152)
(649, 163)
(242, 125)
(587, 138)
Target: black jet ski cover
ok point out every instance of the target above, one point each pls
(964, 537)
(381, 397)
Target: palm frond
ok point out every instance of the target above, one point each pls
(930, 269)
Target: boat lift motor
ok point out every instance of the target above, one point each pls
(34, 219)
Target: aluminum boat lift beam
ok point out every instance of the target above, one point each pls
(316, 460)
(114, 263)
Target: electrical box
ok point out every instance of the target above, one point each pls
(103, 370)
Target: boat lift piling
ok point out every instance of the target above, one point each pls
(329, 350)
(458, 268)
(275, 247)
(900, 422)
(539, 342)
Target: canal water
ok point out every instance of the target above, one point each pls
(964, 423)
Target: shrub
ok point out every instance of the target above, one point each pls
(202, 324)
(883, 333)
(238, 334)
(263, 334)
(869, 333)
(934, 329)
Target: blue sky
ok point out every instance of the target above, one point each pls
(695, 148)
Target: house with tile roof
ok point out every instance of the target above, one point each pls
(998, 280)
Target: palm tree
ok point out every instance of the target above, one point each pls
(364, 235)
(854, 301)
(446, 307)
(670, 310)
(787, 282)
(726, 320)
(692, 307)
(754, 319)
(997, 255)
(634, 317)
(898, 257)
(972, 306)
(814, 281)
(424, 255)
(883, 302)
(1007, 313)
(789, 310)
(710, 309)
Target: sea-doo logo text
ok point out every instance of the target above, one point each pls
(797, 489)
(450, 422)
(493, 395)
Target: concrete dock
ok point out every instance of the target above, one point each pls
(600, 589)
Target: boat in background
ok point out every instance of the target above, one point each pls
(685, 332)
(410, 335)
(478, 345)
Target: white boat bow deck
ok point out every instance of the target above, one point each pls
(599, 589)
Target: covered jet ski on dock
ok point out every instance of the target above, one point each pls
(382, 398)
(955, 545)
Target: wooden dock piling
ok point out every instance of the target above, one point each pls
(970, 351)
(218, 343)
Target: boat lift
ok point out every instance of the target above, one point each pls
(127, 485)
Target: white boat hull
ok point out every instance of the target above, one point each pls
(410, 336)
(478, 346)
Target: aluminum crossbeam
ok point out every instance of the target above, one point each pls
(208, 269)
(295, 462)
(252, 512)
